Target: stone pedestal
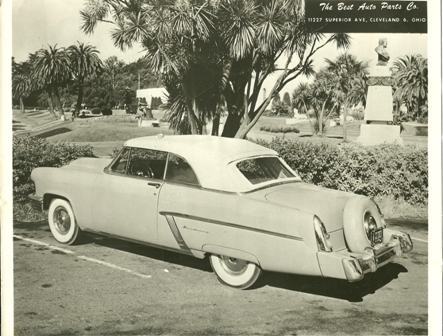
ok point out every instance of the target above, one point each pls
(378, 128)
(377, 134)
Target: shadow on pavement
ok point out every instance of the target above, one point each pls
(334, 288)
(147, 251)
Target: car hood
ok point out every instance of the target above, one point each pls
(90, 164)
(327, 204)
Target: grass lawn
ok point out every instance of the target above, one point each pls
(29, 119)
(105, 137)
(99, 132)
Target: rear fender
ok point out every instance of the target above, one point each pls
(229, 252)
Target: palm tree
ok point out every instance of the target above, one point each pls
(51, 68)
(301, 97)
(347, 69)
(411, 80)
(237, 42)
(84, 63)
(20, 89)
(323, 98)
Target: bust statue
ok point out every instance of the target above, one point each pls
(383, 56)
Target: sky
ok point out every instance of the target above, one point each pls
(37, 23)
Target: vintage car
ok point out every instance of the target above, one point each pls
(230, 200)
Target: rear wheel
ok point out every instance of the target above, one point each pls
(235, 272)
(62, 222)
(360, 217)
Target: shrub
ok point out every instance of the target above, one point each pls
(385, 170)
(115, 119)
(96, 110)
(279, 129)
(32, 152)
(358, 113)
(106, 111)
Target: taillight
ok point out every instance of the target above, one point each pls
(322, 236)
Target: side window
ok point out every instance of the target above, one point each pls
(121, 163)
(147, 163)
(180, 171)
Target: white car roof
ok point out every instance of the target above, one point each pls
(209, 156)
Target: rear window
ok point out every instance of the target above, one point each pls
(264, 169)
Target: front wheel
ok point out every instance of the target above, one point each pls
(234, 272)
(62, 222)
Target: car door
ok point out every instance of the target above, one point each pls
(126, 194)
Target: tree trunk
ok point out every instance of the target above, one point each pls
(215, 125)
(22, 105)
(79, 99)
(190, 110)
(50, 103)
(232, 125)
(58, 103)
(320, 121)
(345, 115)
(149, 114)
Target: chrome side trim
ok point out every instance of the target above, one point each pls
(236, 226)
(136, 241)
(176, 233)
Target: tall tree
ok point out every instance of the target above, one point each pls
(51, 69)
(232, 44)
(276, 101)
(347, 69)
(323, 99)
(301, 98)
(287, 99)
(21, 83)
(112, 75)
(411, 81)
(84, 63)
(20, 88)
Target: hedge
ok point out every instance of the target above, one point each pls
(279, 129)
(32, 152)
(384, 170)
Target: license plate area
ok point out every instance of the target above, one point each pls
(376, 236)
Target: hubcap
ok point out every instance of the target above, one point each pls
(62, 220)
(369, 223)
(234, 266)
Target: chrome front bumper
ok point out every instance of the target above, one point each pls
(359, 264)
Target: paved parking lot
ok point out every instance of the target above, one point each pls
(105, 286)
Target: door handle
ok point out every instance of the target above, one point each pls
(156, 185)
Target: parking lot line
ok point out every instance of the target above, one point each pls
(44, 244)
(97, 261)
(37, 242)
(418, 239)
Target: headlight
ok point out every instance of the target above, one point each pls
(321, 236)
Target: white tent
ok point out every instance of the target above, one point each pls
(149, 94)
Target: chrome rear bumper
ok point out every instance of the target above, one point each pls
(359, 264)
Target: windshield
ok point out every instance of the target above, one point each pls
(263, 169)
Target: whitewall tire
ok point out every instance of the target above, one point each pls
(358, 212)
(62, 222)
(234, 272)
